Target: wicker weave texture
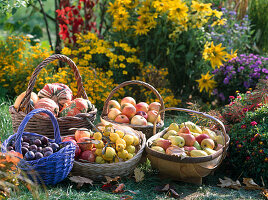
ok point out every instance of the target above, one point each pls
(147, 130)
(99, 171)
(48, 170)
(42, 125)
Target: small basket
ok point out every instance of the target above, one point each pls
(147, 130)
(42, 125)
(98, 172)
(189, 169)
(51, 169)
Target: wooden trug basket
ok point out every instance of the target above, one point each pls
(42, 125)
(147, 130)
(189, 169)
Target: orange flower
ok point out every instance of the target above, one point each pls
(14, 157)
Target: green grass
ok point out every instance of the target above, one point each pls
(144, 190)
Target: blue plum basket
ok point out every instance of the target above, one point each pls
(51, 169)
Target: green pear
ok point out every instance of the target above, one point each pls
(192, 126)
(177, 140)
(197, 145)
(219, 139)
(157, 148)
(209, 151)
(210, 133)
(174, 126)
(198, 153)
(170, 133)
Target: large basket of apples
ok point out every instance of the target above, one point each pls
(188, 152)
(70, 111)
(139, 116)
(112, 150)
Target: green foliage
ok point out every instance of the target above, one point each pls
(248, 146)
(259, 18)
(10, 6)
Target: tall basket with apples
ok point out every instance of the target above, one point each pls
(188, 152)
(138, 116)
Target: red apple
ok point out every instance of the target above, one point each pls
(84, 147)
(77, 152)
(122, 119)
(128, 110)
(128, 100)
(88, 155)
(139, 120)
(189, 139)
(155, 106)
(81, 133)
(142, 106)
(113, 104)
(187, 148)
(113, 113)
(141, 113)
(152, 115)
(207, 143)
(162, 143)
(201, 137)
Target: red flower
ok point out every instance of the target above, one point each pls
(252, 139)
(243, 126)
(247, 158)
(239, 97)
(253, 123)
(245, 109)
(231, 97)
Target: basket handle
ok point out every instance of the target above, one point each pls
(133, 82)
(80, 93)
(223, 133)
(25, 121)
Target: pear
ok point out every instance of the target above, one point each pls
(184, 129)
(197, 145)
(157, 148)
(198, 153)
(209, 151)
(177, 140)
(219, 139)
(192, 126)
(174, 126)
(210, 133)
(170, 133)
(195, 134)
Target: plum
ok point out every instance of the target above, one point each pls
(29, 155)
(33, 147)
(44, 140)
(25, 139)
(37, 142)
(24, 150)
(39, 149)
(47, 153)
(38, 155)
(54, 146)
(47, 149)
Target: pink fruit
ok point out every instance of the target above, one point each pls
(187, 148)
(189, 139)
(201, 137)
(128, 100)
(142, 106)
(155, 106)
(138, 120)
(88, 155)
(152, 116)
(113, 104)
(143, 114)
(163, 143)
(128, 110)
(113, 113)
(122, 119)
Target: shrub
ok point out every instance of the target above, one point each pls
(242, 72)
(248, 145)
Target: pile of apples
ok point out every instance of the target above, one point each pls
(107, 146)
(129, 112)
(188, 138)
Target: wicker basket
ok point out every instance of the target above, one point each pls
(147, 130)
(48, 170)
(98, 172)
(42, 125)
(189, 169)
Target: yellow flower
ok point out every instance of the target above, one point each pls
(131, 3)
(206, 82)
(214, 54)
(125, 72)
(219, 22)
(114, 7)
(216, 13)
(200, 7)
(178, 10)
(231, 55)
(140, 29)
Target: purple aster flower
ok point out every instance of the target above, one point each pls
(258, 62)
(226, 81)
(257, 69)
(241, 69)
(222, 97)
(246, 84)
(265, 71)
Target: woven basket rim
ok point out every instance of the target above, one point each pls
(178, 159)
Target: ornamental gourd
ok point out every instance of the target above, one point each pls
(33, 100)
(48, 104)
(78, 105)
(58, 92)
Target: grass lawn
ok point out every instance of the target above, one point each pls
(143, 190)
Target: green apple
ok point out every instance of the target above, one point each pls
(177, 140)
(174, 126)
(170, 133)
(197, 145)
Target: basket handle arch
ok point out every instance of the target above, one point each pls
(223, 132)
(133, 82)
(26, 120)
(80, 92)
